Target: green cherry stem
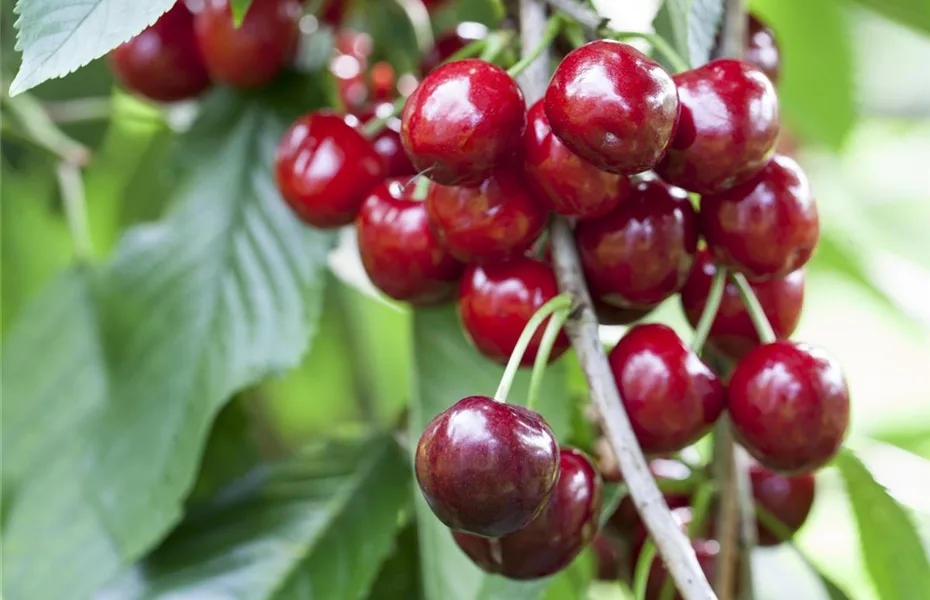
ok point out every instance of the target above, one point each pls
(560, 302)
(553, 27)
(71, 184)
(643, 566)
(756, 313)
(553, 328)
(711, 307)
(675, 60)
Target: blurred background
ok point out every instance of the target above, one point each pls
(855, 94)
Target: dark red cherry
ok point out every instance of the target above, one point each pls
(254, 53)
(486, 467)
(732, 332)
(788, 499)
(727, 130)
(325, 169)
(555, 537)
(608, 314)
(387, 143)
(497, 220)
(671, 397)
(451, 42)
(706, 552)
(497, 300)
(625, 519)
(766, 227)
(562, 180)
(399, 251)
(642, 252)
(789, 405)
(762, 48)
(334, 11)
(463, 121)
(607, 554)
(613, 105)
(162, 63)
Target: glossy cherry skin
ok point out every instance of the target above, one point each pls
(671, 397)
(463, 121)
(497, 220)
(556, 536)
(642, 252)
(563, 181)
(613, 105)
(254, 53)
(762, 48)
(766, 227)
(728, 127)
(732, 332)
(162, 63)
(608, 314)
(788, 499)
(387, 142)
(451, 42)
(497, 300)
(399, 251)
(789, 406)
(325, 169)
(486, 467)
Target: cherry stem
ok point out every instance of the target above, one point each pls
(643, 567)
(675, 60)
(553, 328)
(553, 27)
(711, 307)
(71, 184)
(756, 313)
(421, 188)
(560, 302)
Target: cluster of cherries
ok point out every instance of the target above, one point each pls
(452, 199)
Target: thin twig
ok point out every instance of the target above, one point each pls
(727, 520)
(71, 184)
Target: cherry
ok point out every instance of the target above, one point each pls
(387, 142)
(788, 499)
(671, 397)
(451, 42)
(789, 405)
(486, 467)
(766, 227)
(641, 253)
(162, 63)
(608, 314)
(334, 11)
(607, 553)
(254, 53)
(494, 221)
(497, 300)
(562, 180)
(556, 536)
(400, 253)
(762, 48)
(727, 130)
(464, 120)
(732, 332)
(325, 169)
(613, 105)
(625, 518)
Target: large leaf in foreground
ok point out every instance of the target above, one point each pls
(315, 527)
(223, 292)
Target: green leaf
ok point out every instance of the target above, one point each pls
(223, 292)
(448, 369)
(239, 8)
(57, 37)
(816, 90)
(891, 548)
(691, 27)
(317, 526)
(910, 13)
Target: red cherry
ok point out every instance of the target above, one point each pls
(487, 467)
(608, 314)
(766, 227)
(732, 332)
(625, 519)
(788, 499)
(334, 11)
(399, 251)
(727, 130)
(671, 397)
(325, 169)
(162, 63)
(789, 405)
(641, 253)
(762, 48)
(706, 552)
(555, 537)
(497, 300)
(494, 221)
(254, 53)
(451, 42)
(562, 180)
(607, 553)
(387, 142)
(613, 105)
(464, 120)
